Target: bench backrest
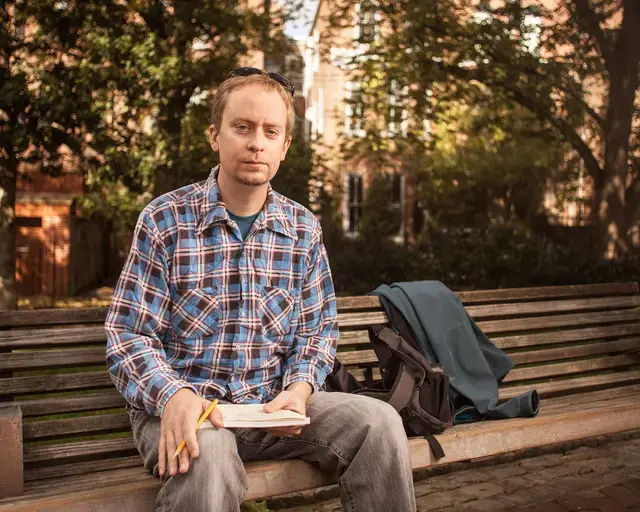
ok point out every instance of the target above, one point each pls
(564, 340)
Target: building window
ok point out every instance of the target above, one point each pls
(398, 114)
(354, 110)
(367, 22)
(397, 202)
(354, 202)
(29, 222)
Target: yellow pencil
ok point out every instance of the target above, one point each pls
(204, 416)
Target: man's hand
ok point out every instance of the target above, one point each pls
(179, 423)
(293, 399)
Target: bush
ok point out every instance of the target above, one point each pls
(495, 256)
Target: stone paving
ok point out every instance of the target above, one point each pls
(601, 475)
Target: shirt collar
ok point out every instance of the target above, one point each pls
(213, 209)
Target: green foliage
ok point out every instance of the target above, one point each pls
(381, 219)
(432, 56)
(489, 163)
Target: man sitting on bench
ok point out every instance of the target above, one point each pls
(227, 294)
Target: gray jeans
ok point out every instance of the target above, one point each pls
(357, 438)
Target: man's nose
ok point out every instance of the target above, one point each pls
(256, 142)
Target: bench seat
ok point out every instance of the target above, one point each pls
(579, 346)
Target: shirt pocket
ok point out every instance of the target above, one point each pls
(196, 312)
(276, 309)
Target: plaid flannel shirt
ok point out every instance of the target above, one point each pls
(198, 307)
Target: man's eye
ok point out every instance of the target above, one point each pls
(242, 127)
(273, 133)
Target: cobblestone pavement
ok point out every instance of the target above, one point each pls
(603, 475)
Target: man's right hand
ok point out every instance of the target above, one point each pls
(178, 423)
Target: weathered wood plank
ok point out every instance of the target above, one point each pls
(81, 468)
(547, 292)
(62, 404)
(551, 322)
(553, 388)
(502, 310)
(548, 338)
(361, 319)
(76, 449)
(631, 345)
(568, 368)
(358, 357)
(509, 294)
(56, 316)
(65, 358)
(84, 425)
(68, 335)
(575, 385)
(552, 306)
(52, 383)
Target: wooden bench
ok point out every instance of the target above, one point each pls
(579, 346)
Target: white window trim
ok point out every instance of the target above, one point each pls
(348, 114)
(346, 205)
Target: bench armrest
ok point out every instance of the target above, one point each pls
(11, 469)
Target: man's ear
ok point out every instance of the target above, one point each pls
(213, 138)
(285, 147)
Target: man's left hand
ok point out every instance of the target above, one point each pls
(294, 398)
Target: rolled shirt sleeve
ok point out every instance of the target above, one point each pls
(137, 321)
(316, 338)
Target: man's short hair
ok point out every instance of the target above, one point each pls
(238, 82)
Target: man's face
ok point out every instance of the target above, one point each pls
(251, 140)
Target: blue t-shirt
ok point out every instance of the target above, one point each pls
(244, 223)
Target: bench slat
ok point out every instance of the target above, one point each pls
(77, 449)
(39, 359)
(562, 369)
(547, 338)
(547, 292)
(552, 306)
(509, 294)
(361, 319)
(61, 336)
(553, 388)
(550, 322)
(80, 468)
(53, 316)
(502, 310)
(51, 383)
(111, 399)
(368, 357)
(631, 345)
(577, 384)
(83, 425)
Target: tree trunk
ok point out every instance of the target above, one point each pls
(8, 296)
(624, 79)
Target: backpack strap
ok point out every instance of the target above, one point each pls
(434, 444)
(388, 345)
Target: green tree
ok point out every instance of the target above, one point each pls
(547, 61)
(114, 83)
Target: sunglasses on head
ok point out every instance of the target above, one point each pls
(247, 71)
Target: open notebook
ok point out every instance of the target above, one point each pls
(253, 416)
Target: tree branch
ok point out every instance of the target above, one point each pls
(591, 24)
(543, 113)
